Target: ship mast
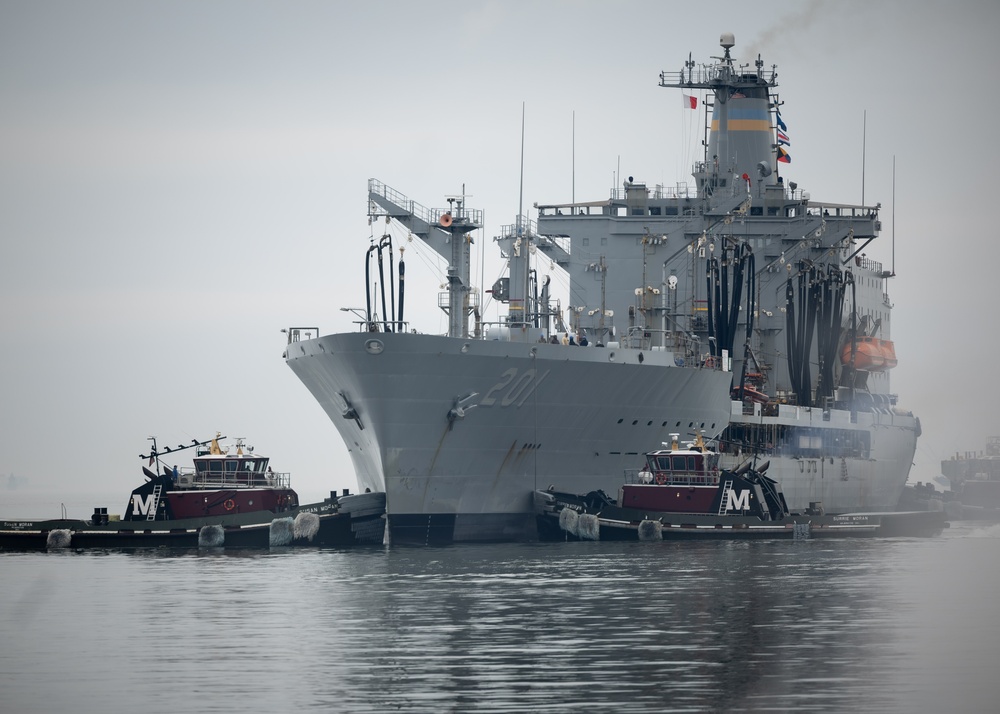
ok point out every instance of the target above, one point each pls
(741, 148)
(447, 232)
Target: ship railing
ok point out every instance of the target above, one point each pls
(659, 192)
(866, 263)
(840, 210)
(632, 476)
(299, 333)
(428, 215)
(703, 74)
(523, 226)
(444, 300)
(189, 478)
(380, 325)
(677, 341)
(668, 478)
(528, 228)
(398, 199)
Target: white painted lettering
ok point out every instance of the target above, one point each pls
(739, 502)
(489, 400)
(141, 506)
(534, 386)
(519, 386)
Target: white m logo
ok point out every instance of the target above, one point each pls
(739, 502)
(142, 507)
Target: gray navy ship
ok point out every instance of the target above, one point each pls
(737, 308)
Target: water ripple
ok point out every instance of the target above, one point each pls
(824, 626)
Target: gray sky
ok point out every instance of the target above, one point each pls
(179, 181)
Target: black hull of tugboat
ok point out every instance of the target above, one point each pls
(610, 522)
(354, 520)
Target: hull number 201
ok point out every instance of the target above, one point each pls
(514, 388)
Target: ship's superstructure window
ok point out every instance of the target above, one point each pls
(796, 441)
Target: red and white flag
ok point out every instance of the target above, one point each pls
(690, 102)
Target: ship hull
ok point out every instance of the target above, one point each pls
(815, 459)
(459, 433)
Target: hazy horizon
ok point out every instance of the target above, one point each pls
(180, 181)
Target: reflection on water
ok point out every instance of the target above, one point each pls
(890, 625)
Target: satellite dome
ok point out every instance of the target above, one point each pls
(727, 40)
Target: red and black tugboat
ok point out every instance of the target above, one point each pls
(219, 484)
(230, 497)
(682, 493)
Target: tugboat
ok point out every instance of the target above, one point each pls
(230, 497)
(681, 493)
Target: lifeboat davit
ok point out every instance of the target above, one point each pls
(751, 394)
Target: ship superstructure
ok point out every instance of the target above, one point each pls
(738, 305)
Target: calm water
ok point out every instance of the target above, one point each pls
(889, 625)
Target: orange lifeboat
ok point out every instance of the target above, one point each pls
(889, 352)
(872, 354)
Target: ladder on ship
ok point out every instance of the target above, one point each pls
(157, 490)
(727, 491)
